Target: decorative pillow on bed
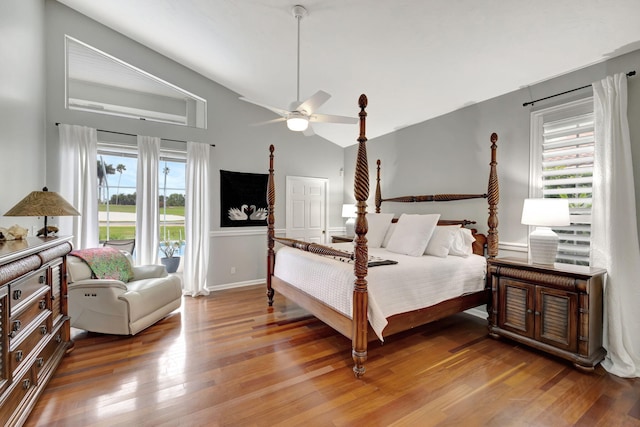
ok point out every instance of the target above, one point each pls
(462, 243)
(387, 236)
(412, 234)
(441, 240)
(378, 225)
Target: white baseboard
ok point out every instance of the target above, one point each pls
(237, 285)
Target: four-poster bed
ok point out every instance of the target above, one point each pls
(353, 322)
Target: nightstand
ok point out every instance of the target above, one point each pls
(341, 239)
(554, 308)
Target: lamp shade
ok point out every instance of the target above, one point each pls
(349, 211)
(43, 203)
(546, 212)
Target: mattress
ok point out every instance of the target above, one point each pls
(411, 284)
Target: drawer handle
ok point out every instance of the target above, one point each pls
(19, 356)
(43, 329)
(42, 304)
(26, 384)
(40, 362)
(17, 294)
(41, 279)
(17, 324)
(58, 338)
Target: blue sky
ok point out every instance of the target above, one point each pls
(175, 177)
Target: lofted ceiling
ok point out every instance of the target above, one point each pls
(415, 59)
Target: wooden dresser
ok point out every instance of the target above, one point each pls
(34, 322)
(554, 308)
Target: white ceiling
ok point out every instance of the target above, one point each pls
(415, 59)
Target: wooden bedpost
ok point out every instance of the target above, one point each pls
(378, 191)
(271, 200)
(493, 197)
(360, 295)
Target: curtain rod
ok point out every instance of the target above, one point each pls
(130, 134)
(629, 74)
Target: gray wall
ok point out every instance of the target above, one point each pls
(451, 153)
(34, 59)
(22, 105)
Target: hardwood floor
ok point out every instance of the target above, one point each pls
(229, 359)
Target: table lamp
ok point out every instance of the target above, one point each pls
(43, 203)
(544, 214)
(349, 211)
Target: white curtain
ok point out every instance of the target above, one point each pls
(196, 258)
(614, 241)
(147, 200)
(78, 156)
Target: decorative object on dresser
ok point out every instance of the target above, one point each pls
(43, 203)
(34, 321)
(544, 214)
(556, 309)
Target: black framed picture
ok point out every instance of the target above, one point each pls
(243, 199)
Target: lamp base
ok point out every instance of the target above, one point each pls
(350, 227)
(543, 246)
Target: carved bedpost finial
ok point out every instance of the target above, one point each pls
(271, 201)
(493, 197)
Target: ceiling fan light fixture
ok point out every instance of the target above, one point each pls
(297, 123)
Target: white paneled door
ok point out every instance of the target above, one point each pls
(306, 208)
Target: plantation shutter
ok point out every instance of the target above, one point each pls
(567, 172)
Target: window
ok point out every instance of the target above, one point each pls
(562, 147)
(100, 83)
(116, 180)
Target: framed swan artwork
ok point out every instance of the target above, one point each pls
(243, 199)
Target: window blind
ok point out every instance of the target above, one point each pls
(567, 172)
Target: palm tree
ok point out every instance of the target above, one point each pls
(120, 168)
(103, 170)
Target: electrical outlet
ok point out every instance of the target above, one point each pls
(233, 270)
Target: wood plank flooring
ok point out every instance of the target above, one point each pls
(230, 360)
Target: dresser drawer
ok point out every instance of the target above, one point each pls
(19, 353)
(44, 358)
(22, 386)
(21, 290)
(20, 321)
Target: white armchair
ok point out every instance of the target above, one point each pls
(114, 307)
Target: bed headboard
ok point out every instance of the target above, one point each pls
(492, 195)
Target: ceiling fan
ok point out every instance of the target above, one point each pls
(299, 113)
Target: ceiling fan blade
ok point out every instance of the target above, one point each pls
(329, 118)
(308, 131)
(313, 103)
(278, 111)
(279, 119)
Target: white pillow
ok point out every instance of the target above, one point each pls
(412, 234)
(378, 225)
(462, 243)
(441, 240)
(387, 236)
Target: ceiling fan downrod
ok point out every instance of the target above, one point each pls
(298, 12)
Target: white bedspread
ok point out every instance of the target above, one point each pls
(413, 283)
